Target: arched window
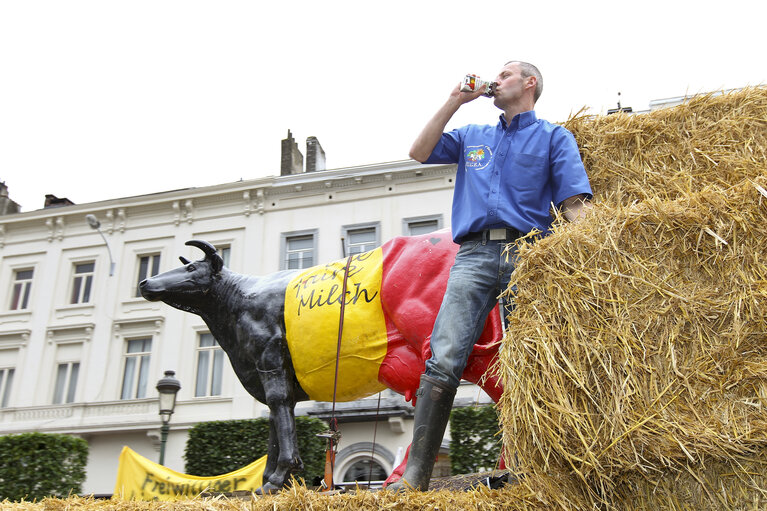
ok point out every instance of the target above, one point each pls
(362, 462)
(364, 470)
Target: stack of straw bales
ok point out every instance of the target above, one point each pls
(636, 367)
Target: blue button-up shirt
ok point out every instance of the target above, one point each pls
(510, 175)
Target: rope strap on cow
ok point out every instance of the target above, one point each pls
(333, 420)
(332, 435)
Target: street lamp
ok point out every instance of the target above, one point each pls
(95, 224)
(168, 386)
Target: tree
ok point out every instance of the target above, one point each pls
(218, 447)
(38, 465)
(475, 445)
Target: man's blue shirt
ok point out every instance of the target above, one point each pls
(510, 175)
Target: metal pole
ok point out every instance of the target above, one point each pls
(95, 224)
(109, 251)
(163, 440)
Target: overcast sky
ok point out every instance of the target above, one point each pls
(103, 99)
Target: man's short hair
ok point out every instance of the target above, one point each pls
(530, 70)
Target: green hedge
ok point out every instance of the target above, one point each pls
(38, 465)
(218, 447)
(475, 445)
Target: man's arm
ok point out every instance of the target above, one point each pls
(568, 175)
(427, 140)
(576, 207)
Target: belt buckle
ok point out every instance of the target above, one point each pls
(496, 234)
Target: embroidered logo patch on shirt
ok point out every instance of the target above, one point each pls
(477, 157)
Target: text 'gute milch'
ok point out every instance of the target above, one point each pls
(324, 286)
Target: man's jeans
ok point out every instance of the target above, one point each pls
(479, 275)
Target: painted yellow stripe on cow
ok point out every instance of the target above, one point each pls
(312, 313)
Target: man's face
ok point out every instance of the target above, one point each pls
(510, 84)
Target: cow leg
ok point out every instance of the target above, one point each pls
(285, 453)
(273, 452)
(282, 429)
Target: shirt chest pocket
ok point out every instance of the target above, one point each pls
(527, 172)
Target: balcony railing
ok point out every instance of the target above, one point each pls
(103, 416)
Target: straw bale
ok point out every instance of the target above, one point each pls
(709, 140)
(735, 483)
(721, 486)
(512, 498)
(730, 484)
(638, 345)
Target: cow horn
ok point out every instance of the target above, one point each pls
(206, 247)
(210, 253)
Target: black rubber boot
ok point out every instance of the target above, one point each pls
(432, 411)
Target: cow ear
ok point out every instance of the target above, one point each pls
(216, 262)
(183, 260)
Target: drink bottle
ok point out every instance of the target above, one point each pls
(472, 83)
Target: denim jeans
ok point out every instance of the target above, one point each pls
(480, 273)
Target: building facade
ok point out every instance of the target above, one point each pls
(81, 351)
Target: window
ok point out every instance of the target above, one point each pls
(299, 252)
(136, 372)
(210, 365)
(421, 225)
(81, 283)
(22, 284)
(148, 266)
(359, 239)
(226, 254)
(6, 380)
(66, 382)
(365, 470)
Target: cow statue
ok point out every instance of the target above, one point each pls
(281, 330)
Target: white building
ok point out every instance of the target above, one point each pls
(81, 352)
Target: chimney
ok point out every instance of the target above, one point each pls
(7, 206)
(315, 155)
(51, 201)
(292, 160)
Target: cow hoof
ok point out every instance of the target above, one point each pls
(267, 489)
(400, 487)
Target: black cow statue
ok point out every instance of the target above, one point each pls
(280, 331)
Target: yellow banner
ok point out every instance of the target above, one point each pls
(140, 479)
(312, 315)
